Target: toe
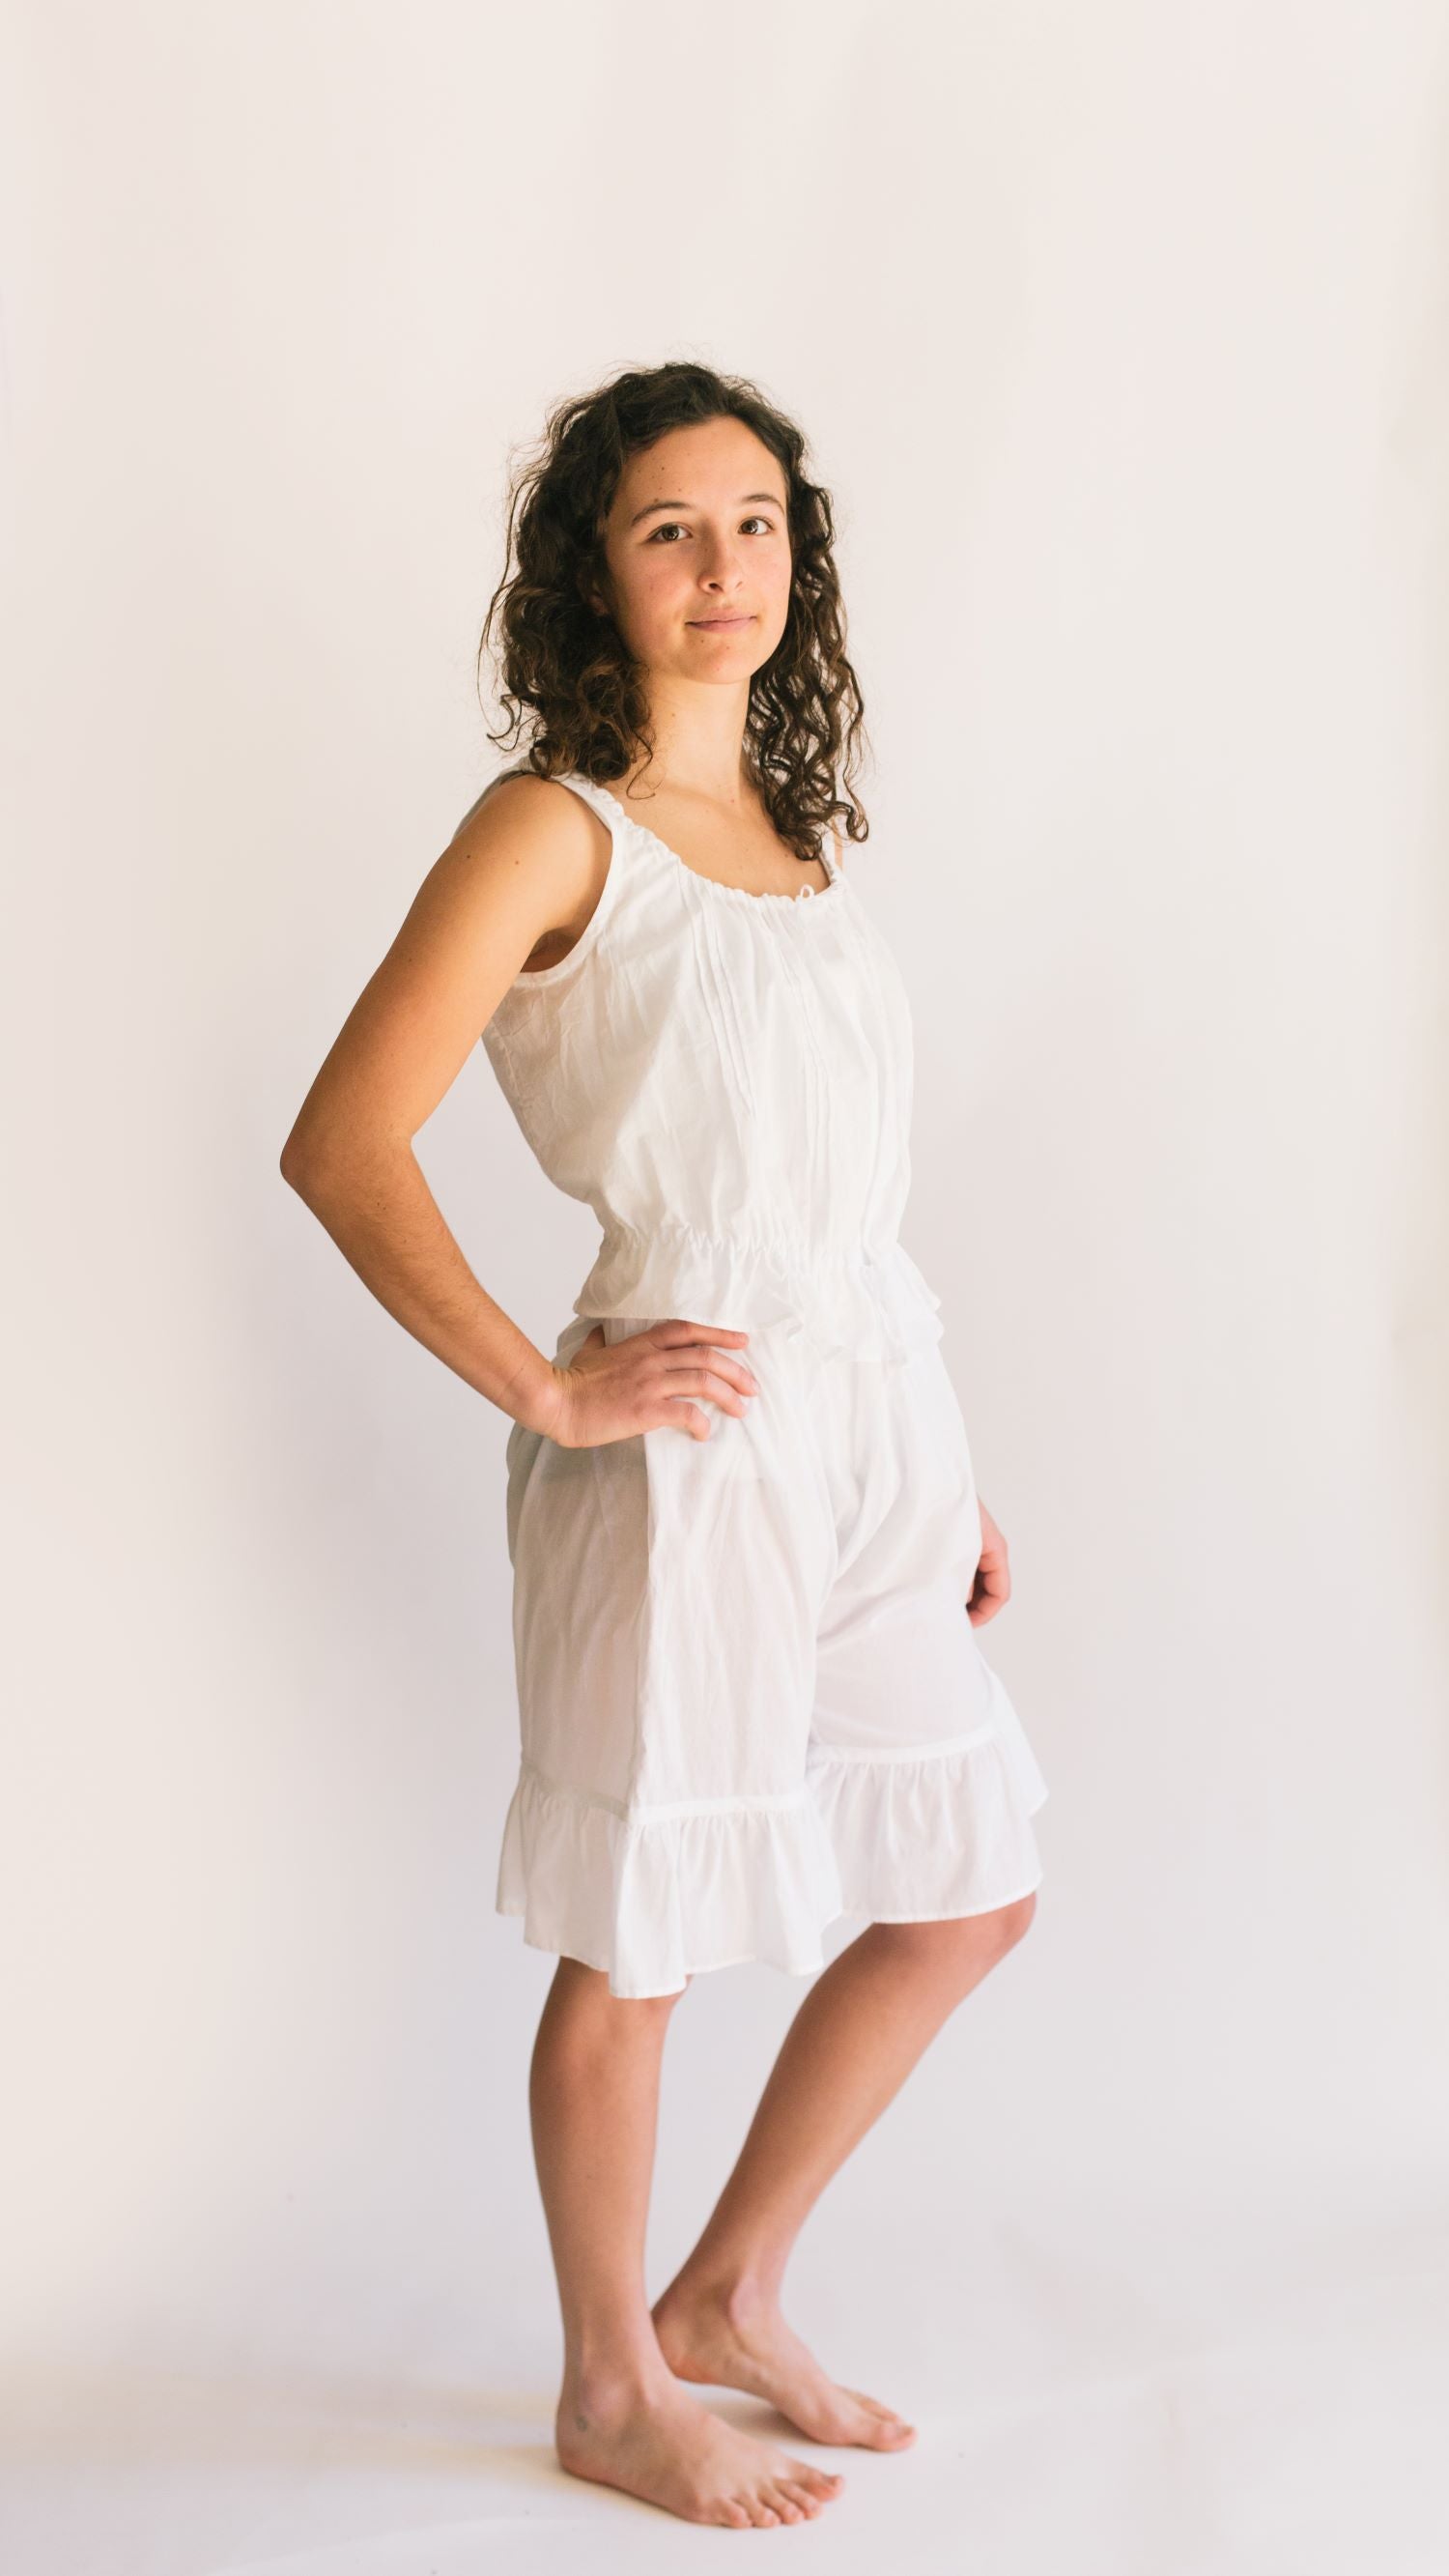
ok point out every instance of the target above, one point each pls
(892, 2427)
(784, 2504)
(821, 2482)
(800, 2496)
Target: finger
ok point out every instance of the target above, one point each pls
(684, 1417)
(738, 1372)
(676, 1330)
(686, 1365)
(702, 1381)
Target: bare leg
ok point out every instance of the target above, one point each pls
(623, 2417)
(864, 2024)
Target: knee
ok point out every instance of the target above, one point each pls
(1014, 1921)
(585, 1990)
(961, 1948)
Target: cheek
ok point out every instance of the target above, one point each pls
(651, 602)
(775, 610)
(776, 584)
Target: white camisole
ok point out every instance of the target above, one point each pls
(726, 1079)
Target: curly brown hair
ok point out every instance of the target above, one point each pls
(568, 672)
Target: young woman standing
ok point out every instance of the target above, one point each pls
(748, 1552)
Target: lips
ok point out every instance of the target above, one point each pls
(721, 625)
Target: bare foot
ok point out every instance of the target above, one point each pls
(730, 2340)
(658, 2443)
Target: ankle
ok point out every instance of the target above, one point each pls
(739, 2294)
(606, 2388)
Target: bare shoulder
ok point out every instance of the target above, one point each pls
(511, 892)
(527, 816)
(533, 844)
(525, 869)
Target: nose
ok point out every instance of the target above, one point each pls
(720, 569)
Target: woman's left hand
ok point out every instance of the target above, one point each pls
(991, 1589)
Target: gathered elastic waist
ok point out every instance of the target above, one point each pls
(866, 1296)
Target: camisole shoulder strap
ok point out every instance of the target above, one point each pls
(604, 807)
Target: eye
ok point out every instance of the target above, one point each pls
(669, 527)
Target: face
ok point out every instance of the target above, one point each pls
(698, 553)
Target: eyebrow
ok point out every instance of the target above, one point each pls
(772, 497)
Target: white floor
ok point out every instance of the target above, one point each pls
(1234, 2392)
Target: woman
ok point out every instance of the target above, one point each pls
(748, 1553)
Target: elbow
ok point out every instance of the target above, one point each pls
(295, 1164)
(325, 1166)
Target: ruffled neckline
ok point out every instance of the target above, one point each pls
(713, 885)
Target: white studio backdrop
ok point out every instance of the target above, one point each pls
(1119, 336)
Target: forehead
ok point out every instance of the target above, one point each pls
(710, 461)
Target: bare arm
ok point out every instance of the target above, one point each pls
(523, 872)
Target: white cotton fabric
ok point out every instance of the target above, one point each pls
(750, 1697)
